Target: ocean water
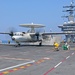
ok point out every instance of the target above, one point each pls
(5, 41)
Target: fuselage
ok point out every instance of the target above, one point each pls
(24, 37)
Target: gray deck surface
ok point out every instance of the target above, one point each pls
(42, 60)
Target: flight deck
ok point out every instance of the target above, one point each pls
(36, 60)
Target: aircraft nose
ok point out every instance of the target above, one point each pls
(13, 38)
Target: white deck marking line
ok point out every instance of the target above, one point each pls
(46, 58)
(14, 58)
(57, 65)
(67, 57)
(72, 53)
(17, 66)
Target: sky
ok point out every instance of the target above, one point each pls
(46, 12)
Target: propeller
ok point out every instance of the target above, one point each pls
(38, 33)
(11, 31)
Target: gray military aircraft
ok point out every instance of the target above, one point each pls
(31, 35)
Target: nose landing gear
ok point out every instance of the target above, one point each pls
(40, 44)
(18, 44)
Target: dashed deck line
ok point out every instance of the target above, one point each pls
(46, 73)
(2, 57)
(24, 66)
(15, 68)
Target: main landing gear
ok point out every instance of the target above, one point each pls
(40, 44)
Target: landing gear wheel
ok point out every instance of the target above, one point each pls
(19, 44)
(40, 44)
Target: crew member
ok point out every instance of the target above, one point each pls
(8, 41)
(56, 46)
(67, 45)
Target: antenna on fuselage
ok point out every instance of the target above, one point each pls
(32, 29)
(32, 26)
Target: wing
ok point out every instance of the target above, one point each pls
(11, 33)
(4, 33)
(57, 33)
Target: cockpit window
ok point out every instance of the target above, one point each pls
(18, 34)
(23, 32)
(14, 34)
